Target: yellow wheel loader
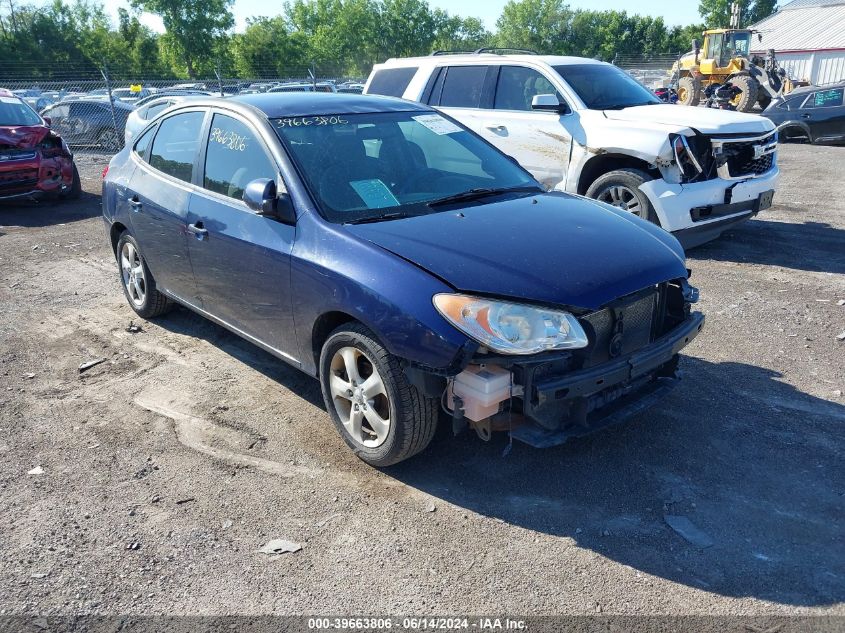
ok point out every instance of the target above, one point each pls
(726, 58)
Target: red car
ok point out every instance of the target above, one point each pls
(34, 160)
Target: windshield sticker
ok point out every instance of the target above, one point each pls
(374, 193)
(437, 123)
(304, 121)
(235, 142)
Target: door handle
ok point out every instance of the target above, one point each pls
(135, 204)
(496, 128)
(805, 116)
(198, 230)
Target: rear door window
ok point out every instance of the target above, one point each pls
(176, 143)
(391, 82)
(463, 86)
(235, 157)
(825, 98)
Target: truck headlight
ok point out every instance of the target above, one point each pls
(684, 156)
(511, 328)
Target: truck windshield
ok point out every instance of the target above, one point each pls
(605, 87)
(13, 111)
(737, 44)
(384, 165)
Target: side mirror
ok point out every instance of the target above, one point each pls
(548, 103)
(48, 121)
(260, 196)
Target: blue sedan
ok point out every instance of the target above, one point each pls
(411, 267)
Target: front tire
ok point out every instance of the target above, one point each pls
(380, 415)
(621, 189)
(745, 101)
(138, 284)
(75, 187)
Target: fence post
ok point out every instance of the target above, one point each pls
(219, 79)
(104, 71)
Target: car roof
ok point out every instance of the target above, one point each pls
(806, 89)
(286, 104)
(120, 105)
(450, 59)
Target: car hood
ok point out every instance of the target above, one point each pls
(22, 136)
(705, 120)
(552, 248)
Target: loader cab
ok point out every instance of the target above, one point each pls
(720, 47)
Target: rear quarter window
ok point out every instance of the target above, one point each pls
(391, 82)
(176, 143)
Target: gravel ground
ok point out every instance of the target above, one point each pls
(167, 467)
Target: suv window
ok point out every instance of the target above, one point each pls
(143, 143)
(518, 85)
(176, 143)
(462, 86)
(391, 82)
(825, 98)
(234, 158)
(153, 110)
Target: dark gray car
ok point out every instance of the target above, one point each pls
(814, 114)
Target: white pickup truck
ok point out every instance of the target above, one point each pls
(587, 127)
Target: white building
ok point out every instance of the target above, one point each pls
(808, 37)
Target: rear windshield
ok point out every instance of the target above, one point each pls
(391, 82)
(13, 111)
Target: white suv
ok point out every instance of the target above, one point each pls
(587, 127)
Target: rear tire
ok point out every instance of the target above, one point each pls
(355, 366)
(746, 100)
(689, 91)
(138, 284)
(621, 189)
(109, 140)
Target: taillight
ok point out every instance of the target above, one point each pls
(105, 171)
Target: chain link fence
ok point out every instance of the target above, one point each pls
(91, 110)
(653, 71)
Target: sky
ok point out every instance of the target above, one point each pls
(680, 12)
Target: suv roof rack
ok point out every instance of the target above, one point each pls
(494, 50)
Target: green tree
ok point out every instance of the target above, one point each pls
(540, 25)
(266, 49)
(454, 33)
(717, 13)
(193, 29)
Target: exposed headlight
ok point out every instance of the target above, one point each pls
(511, 328)
(684, 156)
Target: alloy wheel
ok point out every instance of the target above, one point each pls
(132, 271)
(623, 198)
(359, 396)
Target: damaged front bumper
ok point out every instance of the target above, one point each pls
(32, 176)
(576, 403)
(698, 212)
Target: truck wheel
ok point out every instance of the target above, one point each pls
(621, 189)
(381, 416)
(745, 100)
(75, 187)
(138, 284)
(689, 91)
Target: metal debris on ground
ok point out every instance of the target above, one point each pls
(132, 328)
(689, 531)
(280, 546)
(181, 501)
(28, 376)
(133, 546)
(840, 336)
(841, 302)
(36, 471)
(91, 363)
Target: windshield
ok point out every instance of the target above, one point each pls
(605, 87)
(13, 111)
(738, 44)
(363, 167)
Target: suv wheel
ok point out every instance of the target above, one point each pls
(381, 416)
(138, 284)
(621, 189)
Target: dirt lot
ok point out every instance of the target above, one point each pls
(169, 465)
